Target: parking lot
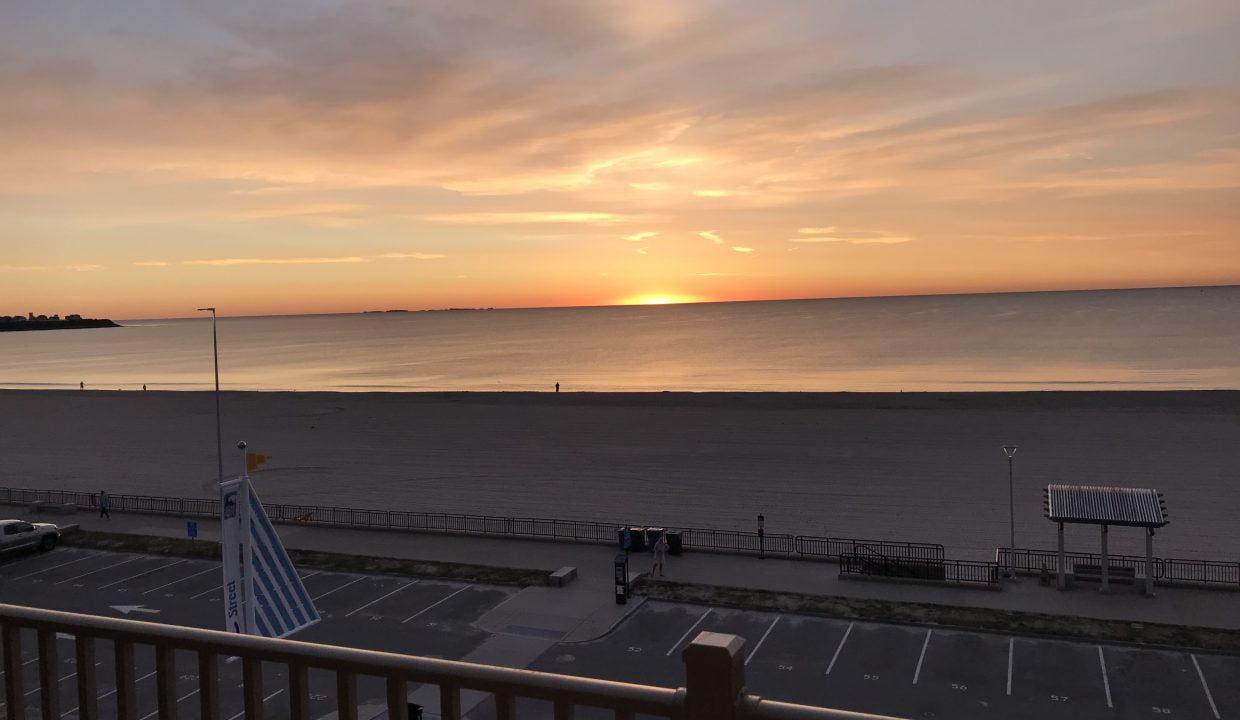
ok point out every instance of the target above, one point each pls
(908, 671)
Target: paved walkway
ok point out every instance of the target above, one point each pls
(588, 605)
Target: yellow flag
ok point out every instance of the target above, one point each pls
(253, 460)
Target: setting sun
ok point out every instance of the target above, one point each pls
(660, 299)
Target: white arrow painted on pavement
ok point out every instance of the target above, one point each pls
(126, 609)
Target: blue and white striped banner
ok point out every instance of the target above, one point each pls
(282, 605)
(263, 594)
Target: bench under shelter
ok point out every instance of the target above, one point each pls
(1106, 506)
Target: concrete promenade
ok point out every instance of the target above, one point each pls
(590, 604)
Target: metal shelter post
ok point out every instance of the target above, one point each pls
(1149, 562)
(1059, 564)
(1106, 563)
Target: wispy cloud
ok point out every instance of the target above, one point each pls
(743, 250)
(852, 237)
(411, 256)
(151, 263)
(641, 251)
(74, 267)
(342, 260)
(816, 230)
(638, 237)
(712, 236)
(715, 192)
(517, 218)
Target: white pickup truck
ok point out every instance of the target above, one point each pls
(19, 533)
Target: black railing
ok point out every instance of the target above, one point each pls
(709, 539)
(954, 572)
(834, 548)
(1166, 571)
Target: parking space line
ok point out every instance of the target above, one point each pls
(1011, 643)
(372, 602)
(67, 713)
(342, 587)
(840, 647)
(764, 636)
(174, 582)
(217, 588)
(186, 696)
(40, 572)
(1205, 687)
(435, 604)
(922, 657)
(242, 713)
(1106, 683)
(691, 629)
(144, 572)
(92, 572)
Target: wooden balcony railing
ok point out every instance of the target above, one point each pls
(714, 671)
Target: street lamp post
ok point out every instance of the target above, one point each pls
(219, 438)
(1010, 451)
(761, 536)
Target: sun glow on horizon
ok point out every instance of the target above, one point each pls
(660, 299)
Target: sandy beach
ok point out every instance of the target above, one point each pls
(905, 466)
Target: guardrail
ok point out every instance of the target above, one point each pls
(712, 540)
(1166, 571)
(952, 572)
(714, 673)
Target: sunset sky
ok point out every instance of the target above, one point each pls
(300, 156)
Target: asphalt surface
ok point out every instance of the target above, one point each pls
(908, 671)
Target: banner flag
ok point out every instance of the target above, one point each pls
(282, 604)
(263, 594)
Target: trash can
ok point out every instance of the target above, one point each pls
(675, 543)
(415, 711)
(621, 540)
(637, 539)
(652, 536)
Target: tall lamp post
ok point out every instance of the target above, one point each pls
(215, 351)
(1010, 451)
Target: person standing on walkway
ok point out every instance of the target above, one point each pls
(660, 554)
(557, 387)
(105, 504)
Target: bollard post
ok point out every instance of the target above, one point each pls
(714, 676)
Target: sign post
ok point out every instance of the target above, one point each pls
(191, 529)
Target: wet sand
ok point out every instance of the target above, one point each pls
(902, 466)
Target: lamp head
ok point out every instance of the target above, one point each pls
(1010, 451)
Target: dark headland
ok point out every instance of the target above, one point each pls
(42, 322)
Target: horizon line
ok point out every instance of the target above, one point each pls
(705, 302)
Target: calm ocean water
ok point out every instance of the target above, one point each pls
(1117, 339)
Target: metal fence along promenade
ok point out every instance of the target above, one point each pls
(954, 572)
(1167, 571)
(714, 676)
(713, 540)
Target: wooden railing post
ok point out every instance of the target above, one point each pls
(14, 688)
(208, 686)
(166, 681)
(252, 680)
(49, 674)
(126, 707)
(87, 688)
(298, 692)
(714, 676)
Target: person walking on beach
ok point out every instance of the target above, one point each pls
(105, 503)
(660, 554)
(557, 387)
